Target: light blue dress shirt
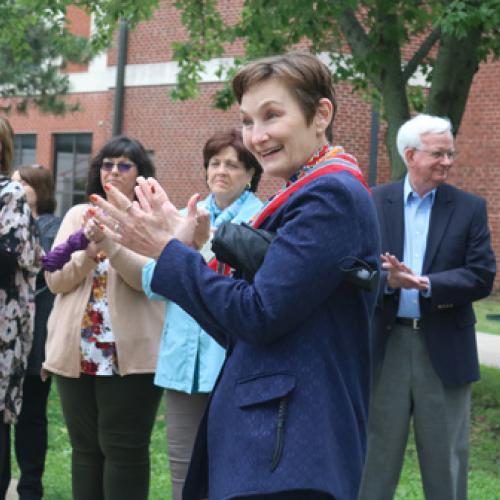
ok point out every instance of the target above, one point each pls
(417, 214)
(189, 359)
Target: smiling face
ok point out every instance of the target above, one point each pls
(227, 177)
(428, 166)
(122, 179)
(275, 128)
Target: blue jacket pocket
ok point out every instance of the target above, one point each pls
(263, 388)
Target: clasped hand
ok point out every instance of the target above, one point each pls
(400, 275)
(148, 224)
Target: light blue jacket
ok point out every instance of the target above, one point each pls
(189, 359)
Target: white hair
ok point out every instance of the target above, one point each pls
(410, 132)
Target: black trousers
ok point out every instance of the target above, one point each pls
(290, 495)
(4, 446)
(30, 441)
(109, 421)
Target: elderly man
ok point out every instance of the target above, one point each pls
(437, 260)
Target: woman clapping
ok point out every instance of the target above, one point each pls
(287, 418)
(190, 360)
(103, 337)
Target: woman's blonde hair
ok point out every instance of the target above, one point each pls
(7, 141)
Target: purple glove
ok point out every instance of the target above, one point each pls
(61, 254)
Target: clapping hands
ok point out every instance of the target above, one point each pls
(93, 232)
(400, 275)
(148, 224)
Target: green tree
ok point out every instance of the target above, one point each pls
(36, 43)
(375, 45)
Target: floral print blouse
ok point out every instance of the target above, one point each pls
(20, 261)
(97, 344)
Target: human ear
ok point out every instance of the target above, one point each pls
(323, 116)
(408, 154)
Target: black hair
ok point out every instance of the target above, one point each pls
(116, 147)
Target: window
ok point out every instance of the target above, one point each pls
(24, 149)
(71, 164)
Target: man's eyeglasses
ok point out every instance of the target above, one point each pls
(439, 155)
(121, 166)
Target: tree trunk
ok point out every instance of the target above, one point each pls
(392, 84)
(396, 111)
(456, 65)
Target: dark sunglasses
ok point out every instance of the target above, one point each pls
(122, 166)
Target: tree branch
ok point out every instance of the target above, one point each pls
(358, 41)
(421, 53)
(456, 64)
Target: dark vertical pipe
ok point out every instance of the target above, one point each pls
(120, 79)
(372, 172)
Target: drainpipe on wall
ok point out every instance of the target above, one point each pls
(120, 79)
(372, 172)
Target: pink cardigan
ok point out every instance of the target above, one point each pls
(136, 321)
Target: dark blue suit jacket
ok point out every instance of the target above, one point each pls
(461, 266)
(289, 410)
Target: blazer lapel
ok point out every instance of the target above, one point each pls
(441, 212)
(394, 221)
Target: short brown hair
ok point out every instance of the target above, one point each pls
(7, 140)
(232, 138)
(305, 76)
(42, 182)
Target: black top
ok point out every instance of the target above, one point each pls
(48, 225)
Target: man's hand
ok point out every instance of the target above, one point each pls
(401, 276)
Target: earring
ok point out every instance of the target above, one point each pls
(249, 186)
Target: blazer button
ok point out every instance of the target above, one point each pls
(388, 328)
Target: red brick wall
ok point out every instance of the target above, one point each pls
(95, 118)
(478, 165)
(151, 41)
(176, 131)
(78, 23)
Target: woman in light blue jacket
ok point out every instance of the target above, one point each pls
(190, 360)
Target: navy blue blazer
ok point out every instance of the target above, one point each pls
(460, 263)
(289, 410)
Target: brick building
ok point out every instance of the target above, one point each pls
(174, 132)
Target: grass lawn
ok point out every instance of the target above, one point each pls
(484, 479)
(57, 477)
(490, 305)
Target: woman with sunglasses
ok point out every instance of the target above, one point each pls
(103, 337)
